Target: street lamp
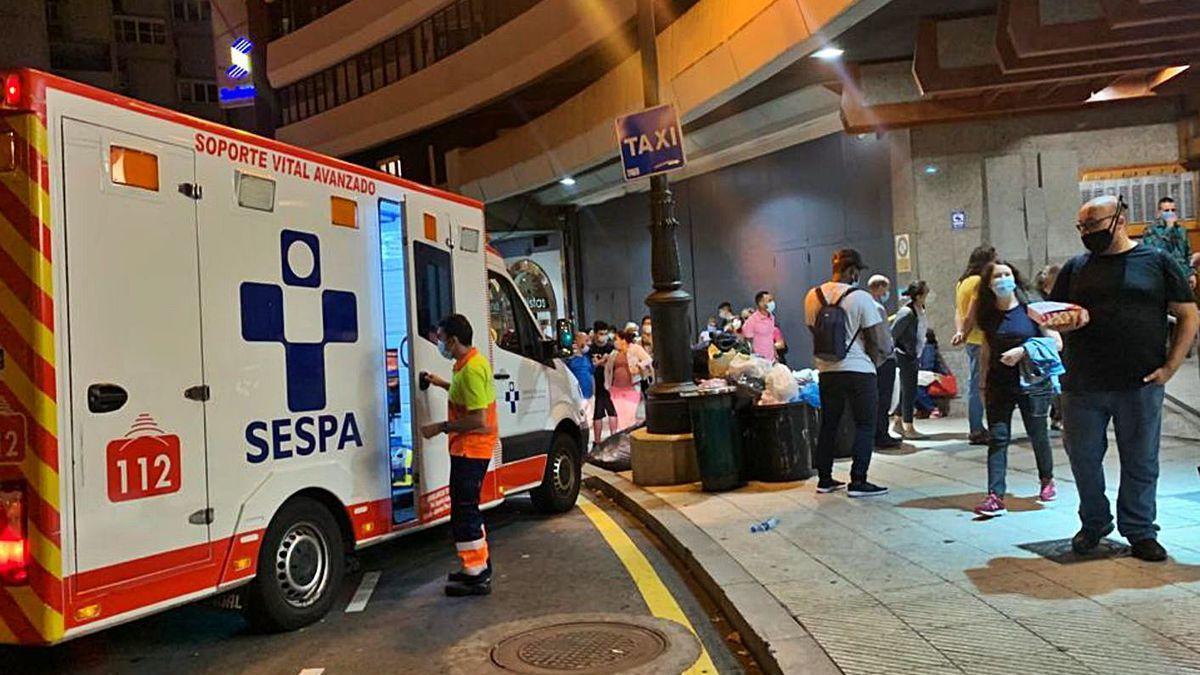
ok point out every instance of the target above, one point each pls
(666, 411)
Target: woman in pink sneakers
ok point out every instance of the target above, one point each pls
(1009, 382)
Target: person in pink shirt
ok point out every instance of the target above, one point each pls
(760, 328)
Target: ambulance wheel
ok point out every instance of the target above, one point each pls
(300, 568)
(560, 484)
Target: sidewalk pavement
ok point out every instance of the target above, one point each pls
(913, 582)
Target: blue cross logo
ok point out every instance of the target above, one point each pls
(512, 396)
(262, 321)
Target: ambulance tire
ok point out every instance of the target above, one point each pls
(300, 568)
(564, 473)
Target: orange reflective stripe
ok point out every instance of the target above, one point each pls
(474, 561)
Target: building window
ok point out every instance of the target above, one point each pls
(390, 165)
(197, 91)
(191, 10)
(54, 19)
(140, 30)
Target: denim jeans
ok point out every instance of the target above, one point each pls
(859, 392)
(908, 386)
(1137, 420)
(886, 374)
(974, 396)
(1035, 408)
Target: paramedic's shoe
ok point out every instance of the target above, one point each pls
(865, 489)
(981, 438)
(991, 506)
(827, 485)
(461, 590)
(1048, 492)
(463, 577)
(1149, 550)
(1085, 542)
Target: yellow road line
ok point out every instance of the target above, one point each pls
(660, 601)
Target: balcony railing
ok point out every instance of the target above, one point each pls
(436, 37)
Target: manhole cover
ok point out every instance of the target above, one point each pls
(580, 647)
(579, 644)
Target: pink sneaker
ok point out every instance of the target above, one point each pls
(1048, 492)
(991, 506)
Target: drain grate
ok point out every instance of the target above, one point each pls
(579, 644)
(580, 647)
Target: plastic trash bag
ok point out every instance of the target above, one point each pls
(755, 367)
(615, 453)
(781, 384)
(811, 395)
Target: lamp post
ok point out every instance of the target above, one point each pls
(666, 412)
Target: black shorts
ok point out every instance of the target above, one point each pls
(604, 406)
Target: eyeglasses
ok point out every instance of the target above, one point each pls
(1093, 224)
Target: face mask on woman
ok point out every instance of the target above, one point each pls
(1003, 287)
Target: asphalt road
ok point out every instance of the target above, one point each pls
(544, 565)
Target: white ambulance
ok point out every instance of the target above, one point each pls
(209, 344)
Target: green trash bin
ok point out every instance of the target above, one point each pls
(717, 438)
(779, 442)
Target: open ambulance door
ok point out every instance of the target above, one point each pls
(432, 296)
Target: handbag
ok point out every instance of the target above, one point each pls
(944, 386)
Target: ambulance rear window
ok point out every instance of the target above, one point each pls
(134, 168)
(343, 212)
(255, 192)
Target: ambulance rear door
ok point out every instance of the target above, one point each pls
(136, 369)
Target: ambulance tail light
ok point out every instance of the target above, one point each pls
(13, 89)
(14, 535)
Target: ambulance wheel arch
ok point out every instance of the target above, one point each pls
(300, 564)
(564, 471)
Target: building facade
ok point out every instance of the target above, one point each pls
(158, 51)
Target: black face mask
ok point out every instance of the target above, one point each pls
(1098, 242)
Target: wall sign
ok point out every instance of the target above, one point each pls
(903, 254)
(958, 220)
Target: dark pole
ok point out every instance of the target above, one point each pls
(666, 412)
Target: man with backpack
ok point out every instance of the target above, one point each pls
(849, 340)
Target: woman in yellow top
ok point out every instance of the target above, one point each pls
(474, 433)
(967, 331)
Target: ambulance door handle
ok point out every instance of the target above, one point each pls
(501, 376)
(199, 392)
(105, 398)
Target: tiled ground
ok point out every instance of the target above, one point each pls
(913, 583)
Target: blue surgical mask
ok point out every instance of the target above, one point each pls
(886, 296)
(1004, 286)
(444, 350)
(771, 306)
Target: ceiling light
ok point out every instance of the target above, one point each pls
(931, 169)
(567, 181)
(828, 53)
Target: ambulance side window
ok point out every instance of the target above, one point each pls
(435, 288)
(512, 329)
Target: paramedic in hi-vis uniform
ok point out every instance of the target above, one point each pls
(473, 436)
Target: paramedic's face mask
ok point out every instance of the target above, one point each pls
(1169, 214)
(444, 348)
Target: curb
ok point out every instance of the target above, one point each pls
(776, 640)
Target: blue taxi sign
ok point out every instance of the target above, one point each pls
(651, 142)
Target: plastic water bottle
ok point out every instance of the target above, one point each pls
(768, 524)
